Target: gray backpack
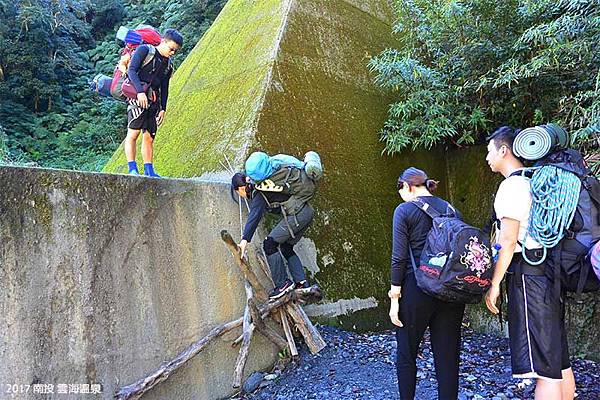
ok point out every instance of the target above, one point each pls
(291, 180)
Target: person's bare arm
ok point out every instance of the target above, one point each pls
(507, 238)
(394, 295)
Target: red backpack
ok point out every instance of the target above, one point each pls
(118, 86)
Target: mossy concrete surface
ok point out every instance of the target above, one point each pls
(105, 277)
(216, 92)
(322, 98)
(289, 76)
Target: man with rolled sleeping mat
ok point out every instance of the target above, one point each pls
(537, 336)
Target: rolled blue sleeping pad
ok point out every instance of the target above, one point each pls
(283, 159)
(129, 36)
(101, 85)
(122, 33)
(259, 165)
(538, 141)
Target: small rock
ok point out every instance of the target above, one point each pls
(471, 378)
(253, 382)
(271, 377)
(264, 384)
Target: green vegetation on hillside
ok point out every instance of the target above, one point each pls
(50, 50)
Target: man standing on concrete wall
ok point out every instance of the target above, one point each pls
(538, 344)
(147, 112)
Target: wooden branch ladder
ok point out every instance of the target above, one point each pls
(257, 309)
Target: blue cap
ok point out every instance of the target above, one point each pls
(258, 166)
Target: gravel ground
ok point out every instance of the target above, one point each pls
(361, 366)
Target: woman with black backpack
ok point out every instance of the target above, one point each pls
(412, 310)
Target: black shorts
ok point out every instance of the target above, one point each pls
(536, 324)
(143, 118)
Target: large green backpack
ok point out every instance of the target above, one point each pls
(289, 179)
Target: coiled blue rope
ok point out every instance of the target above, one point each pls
(555, 193)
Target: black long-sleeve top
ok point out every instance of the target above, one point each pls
(160, 77)
(258, 207)
(410, 228)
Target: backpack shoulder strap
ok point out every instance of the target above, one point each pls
(150, 56)
(170, 68)
(426, 208)
(526, 172)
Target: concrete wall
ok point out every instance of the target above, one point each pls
(104, 277)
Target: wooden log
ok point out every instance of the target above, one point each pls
(250, 276)
(312, 337)
(288, 333)
(248, 330)
(265, 330)
(262, 261)
(144, 385)
(311, 295)
(243, 355)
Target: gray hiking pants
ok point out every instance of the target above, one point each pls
(279, 245)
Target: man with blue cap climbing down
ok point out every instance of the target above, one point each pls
(280, 185)
(536, 325)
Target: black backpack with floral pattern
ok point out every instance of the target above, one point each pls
(456, 263)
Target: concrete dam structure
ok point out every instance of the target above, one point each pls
(288, 76)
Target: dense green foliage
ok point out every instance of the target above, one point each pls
(463, 68)
(50, 50)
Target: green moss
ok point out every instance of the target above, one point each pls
(472, 183)
(215, 93)
(582, 320)
(44, 210)
(322, 98)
